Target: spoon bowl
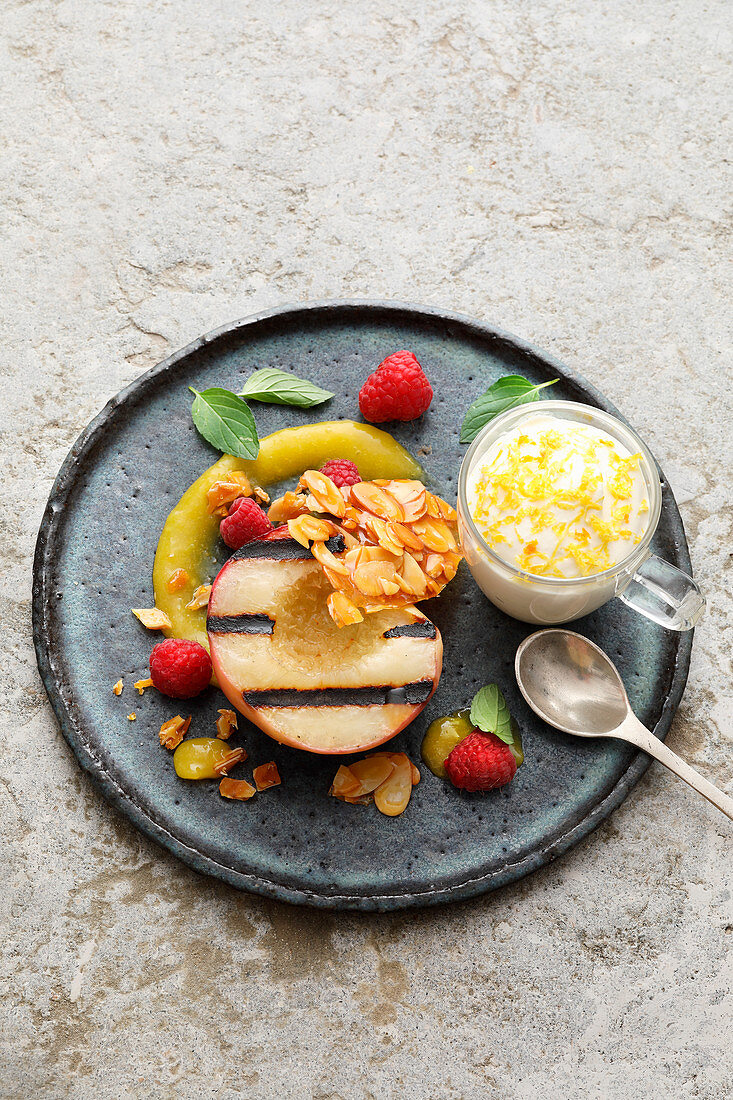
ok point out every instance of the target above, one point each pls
(572, 685)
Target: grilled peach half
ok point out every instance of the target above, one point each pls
(283, 663)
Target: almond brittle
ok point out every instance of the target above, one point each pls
(400, 541)
(173, 731)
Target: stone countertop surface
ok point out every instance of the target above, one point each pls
(556, 168)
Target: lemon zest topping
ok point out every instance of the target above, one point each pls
(518, 495)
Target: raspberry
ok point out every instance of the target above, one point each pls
(341, 471)
(180, 668)
(480, 762)
(246, 521)
(398, 390)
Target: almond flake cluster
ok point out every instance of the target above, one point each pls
(401, 541)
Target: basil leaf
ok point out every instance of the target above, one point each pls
(225, 421)
(491, 714)
(280, 388)
(506, 393)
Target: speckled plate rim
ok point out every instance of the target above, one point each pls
(61, 694)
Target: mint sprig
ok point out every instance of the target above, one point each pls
(280, 388)
(506, 393)
(490, 714)
(226, 422)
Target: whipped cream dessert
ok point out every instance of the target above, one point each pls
(559, 499)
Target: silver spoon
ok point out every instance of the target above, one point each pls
(572, 685)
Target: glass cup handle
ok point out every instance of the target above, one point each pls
(664, 594)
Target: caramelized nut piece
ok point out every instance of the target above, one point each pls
(266, 775)
(385, 536)
(287, 507)
(173, 731)
(392, 796)
(226, 723)
(367, 495)
(140, 685)
(342, 610)
(178, 579)
(238, 789)
(131, 717)
(435, 534)
(117, 689)
(306, 529)
(415, 775)
(404, 534)
(327, 495)
(260, 495)
(433, 565)
(440, 509)
(152, 618)
(221, 493)
(200, 597)
(376, 578)
(234, 756)
(411, 496)
(371, 772)
(345, 784)
(415, 581)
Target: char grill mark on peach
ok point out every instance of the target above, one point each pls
(284, 549)
(413, 694)
(246, 623)
(412, 630)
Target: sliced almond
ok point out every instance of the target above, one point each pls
(440, 509)
(238, 789)
(435, 534)
(415, 774)
(310, 529)
(451, 561)
(434, 565)
(365, 494)
(400, 532)
(200, 597)
(236, 756)
(224, 492)
(327, 495)
(173, 731)
(344, 783)
(371, 772)
(287, 507)
(411, 496)
(376, 578)
(152, 618)
(226, 723)
(266, 775)
(324, 557)
(414, 580)
(342, 610)
(392, 796)
(384, 536)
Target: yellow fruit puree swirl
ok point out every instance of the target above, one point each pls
(520, 485)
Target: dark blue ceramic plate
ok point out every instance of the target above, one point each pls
(94, 559)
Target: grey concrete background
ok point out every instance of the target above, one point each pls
(557, 168)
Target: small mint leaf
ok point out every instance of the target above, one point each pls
(490, 713)
(506, 393)
(226, 422)
(280, 388)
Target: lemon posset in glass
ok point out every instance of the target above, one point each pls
(557, 505)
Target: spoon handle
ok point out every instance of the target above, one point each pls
(632, 730)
